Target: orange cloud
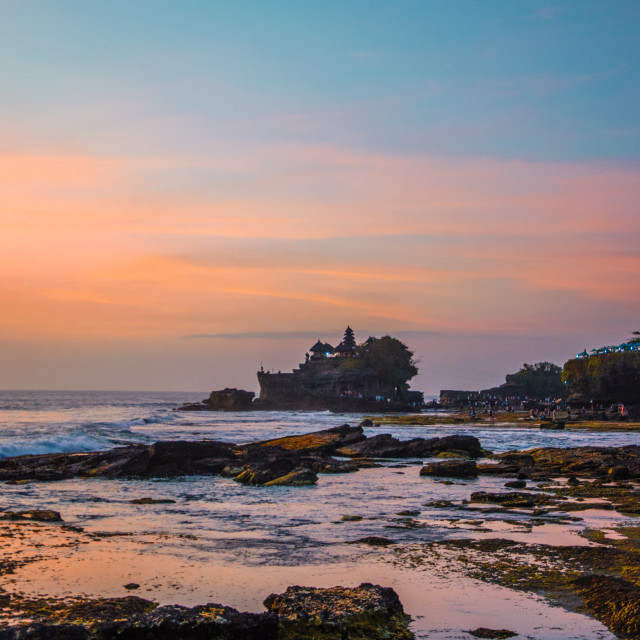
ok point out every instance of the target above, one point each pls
(293, 235)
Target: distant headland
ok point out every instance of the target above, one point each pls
(373, 376)
(369, 376)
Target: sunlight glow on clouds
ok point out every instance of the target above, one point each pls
(93, 242)
(458, 171)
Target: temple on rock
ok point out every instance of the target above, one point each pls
(374, 373)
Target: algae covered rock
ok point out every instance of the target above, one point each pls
(39, 515)
(613, 601)
(451, 469)
(296, 478)
(368, 612)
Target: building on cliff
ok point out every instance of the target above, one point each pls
(375, 372)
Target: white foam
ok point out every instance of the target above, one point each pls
(66, 443)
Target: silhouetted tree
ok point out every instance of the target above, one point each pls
(391, 361)
(540, 380)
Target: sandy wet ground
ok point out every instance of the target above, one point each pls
(223, 542)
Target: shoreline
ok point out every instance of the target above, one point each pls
(150, 532)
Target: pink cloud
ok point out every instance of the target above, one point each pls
(290, 234)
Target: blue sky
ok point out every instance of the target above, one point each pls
(460, 171)
(512, 79)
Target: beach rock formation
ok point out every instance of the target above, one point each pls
(451, 469)
(607, 463)
(386, 446)
(368, 611)
(292, 460)
(223, 400)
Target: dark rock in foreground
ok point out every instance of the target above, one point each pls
(368, 611)
(451, 469)
(39, 515)
(496, 634)
(607, 463)
(613, 601)
(288, 461)
(386, 446)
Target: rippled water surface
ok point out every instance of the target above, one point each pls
(221, 541)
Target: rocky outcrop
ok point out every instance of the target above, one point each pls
(451, 469)
(223, 400)
(138, 619)
(607, 463)
(386, 446)
(368, 611)
(37, 515)
(326, 442)
(288, 461)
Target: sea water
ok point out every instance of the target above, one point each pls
(225, 542)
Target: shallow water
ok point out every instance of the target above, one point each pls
(225, 542)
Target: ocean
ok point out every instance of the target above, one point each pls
(219, 541)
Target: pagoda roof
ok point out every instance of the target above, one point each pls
(321, 347)
(342, 348)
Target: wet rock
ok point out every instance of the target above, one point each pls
(262, 472)
(350, 518)
(131, 586)
(296, 478)
(451, 469)
(557, 425)
(183, 454)
(39, 515)
(374, 541)
(385, 445)
(367, 422)
(613, 601)
(230, 400)
(325, 442)
(331, 465)
(588, 462)
(253, 463)
(133, 618)
(366, 463)
(515, 484)
(450, 454)
(152, 501)
(223, 400)
(510, 499)
(122, 462)
(485, 632)
(232, 470)
(618, 472)
(368, 611)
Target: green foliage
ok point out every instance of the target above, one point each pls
(611, 377)
(540, 380)
(391, 361)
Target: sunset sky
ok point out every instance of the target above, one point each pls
(190, 189)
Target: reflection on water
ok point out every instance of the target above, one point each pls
(225, 542)
(221, 541)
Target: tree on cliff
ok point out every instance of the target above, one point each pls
(540, 380)
(391, 361)
(636, 338)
